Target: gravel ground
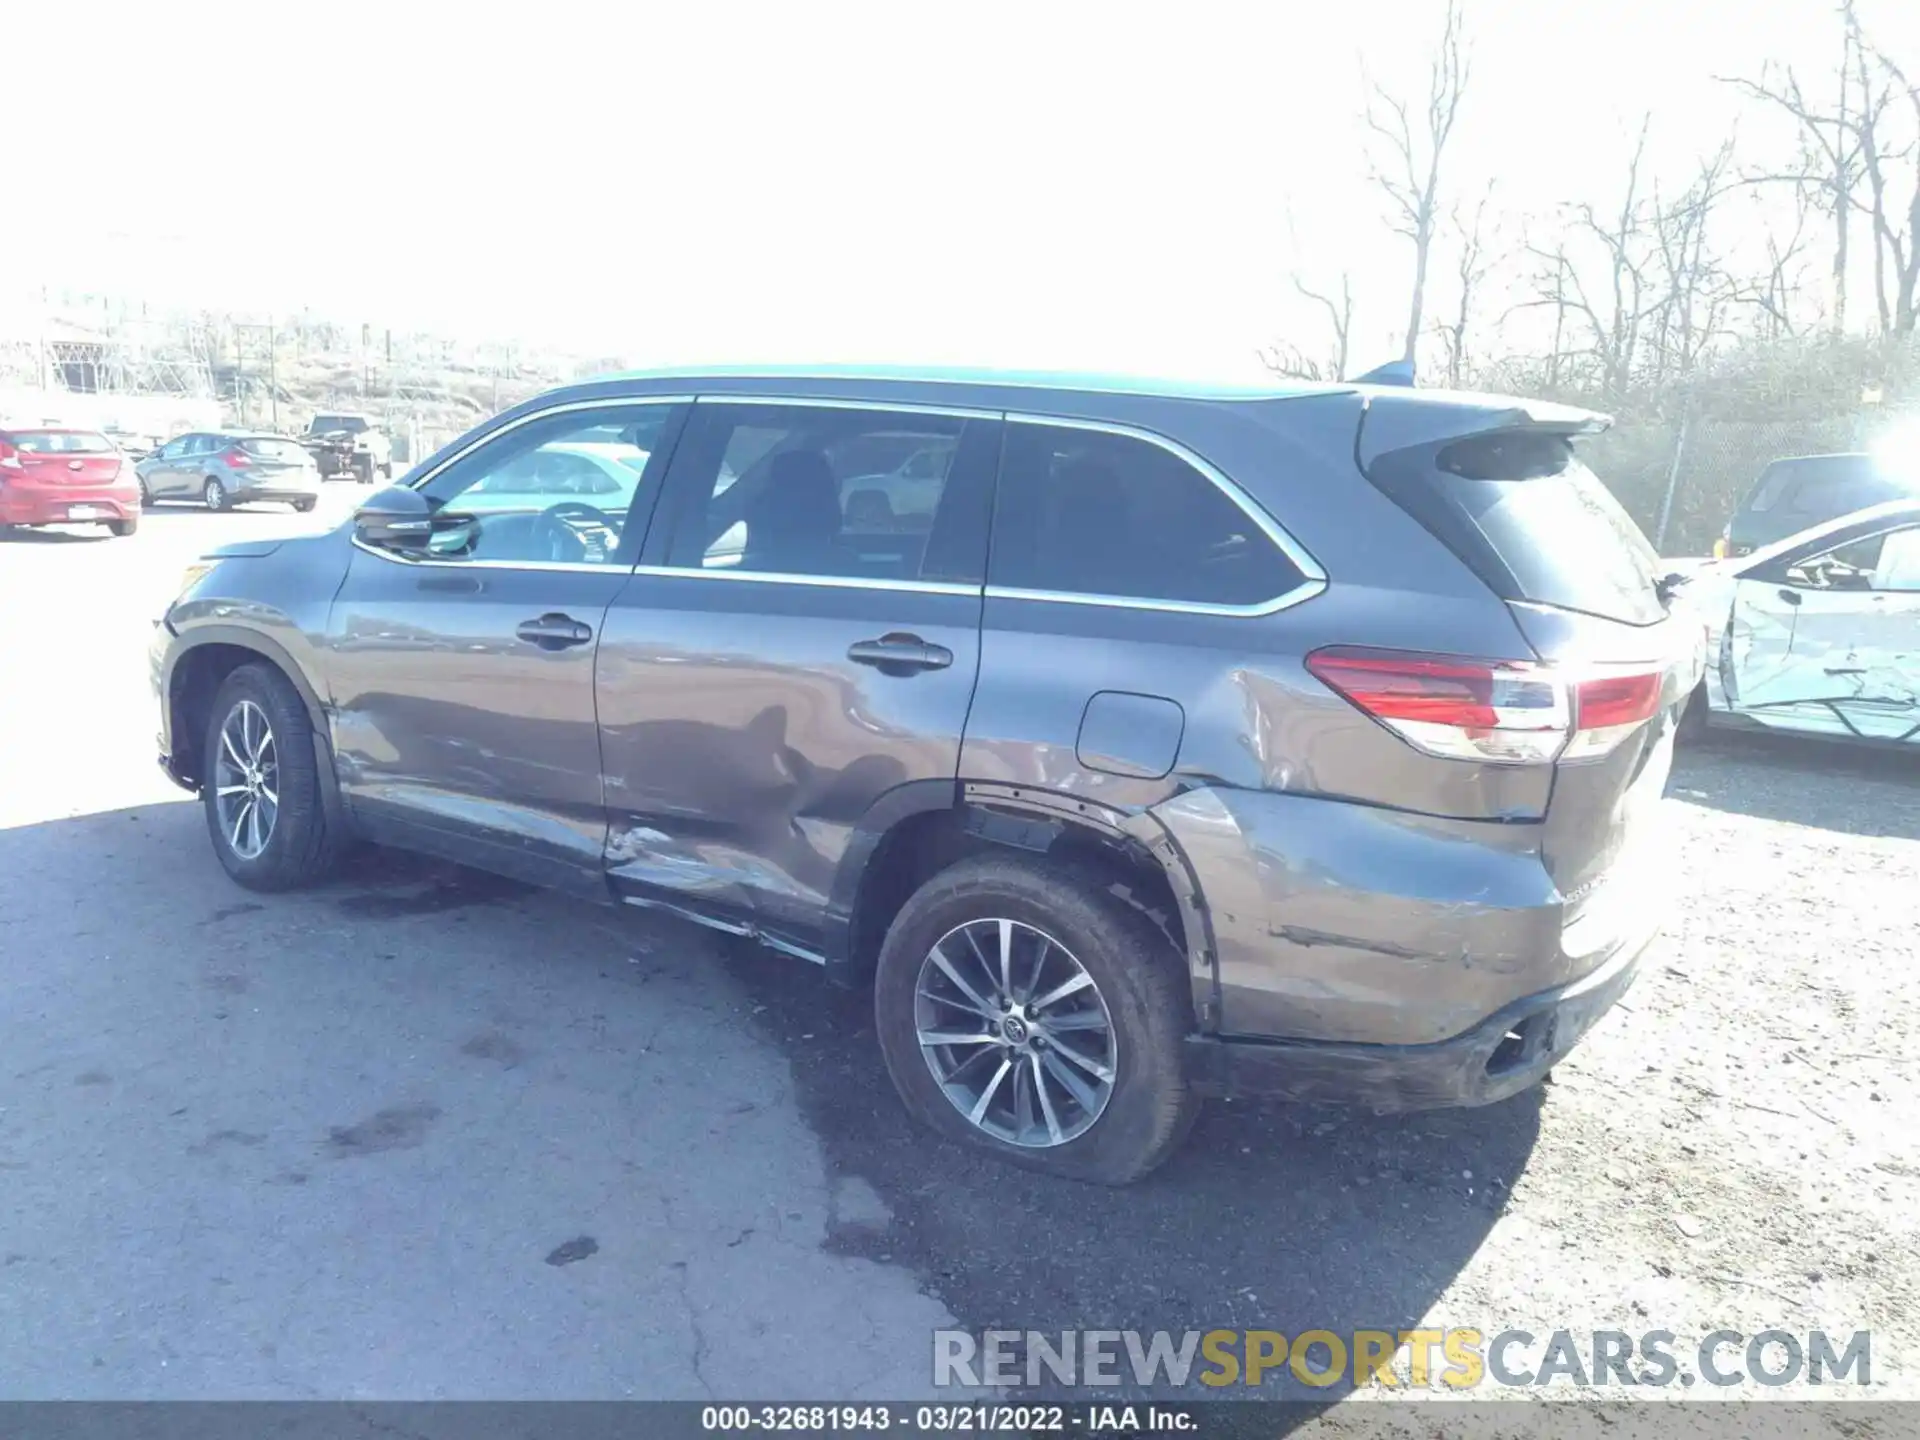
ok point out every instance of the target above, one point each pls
(1732, 1149)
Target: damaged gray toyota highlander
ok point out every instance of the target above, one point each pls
(1134, 742)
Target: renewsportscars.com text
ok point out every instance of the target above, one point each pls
(1447, 1359)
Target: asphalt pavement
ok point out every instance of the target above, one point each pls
(422, 1133)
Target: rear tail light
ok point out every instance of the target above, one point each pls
(1501, 712)
(235, 459)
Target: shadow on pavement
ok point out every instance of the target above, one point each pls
(1829, 785)
(1284, 1218)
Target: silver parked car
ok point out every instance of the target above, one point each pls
(219, 468)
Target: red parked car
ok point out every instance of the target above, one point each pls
(56, 477)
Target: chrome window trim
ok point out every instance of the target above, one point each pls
(1314, 579)
(583, 566)
(830, 582)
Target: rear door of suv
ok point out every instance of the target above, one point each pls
(794, 660)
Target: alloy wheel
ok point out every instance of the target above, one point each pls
(247, 780)
(216, 496)
(1016, 1032)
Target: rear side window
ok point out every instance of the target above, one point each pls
(61, 442)
(1091, 513)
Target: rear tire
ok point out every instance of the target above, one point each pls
(284, 841)
(126, 527)
(214, 494)
(1129, 1009)
(303, 506)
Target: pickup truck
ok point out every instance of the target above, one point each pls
(349, 445)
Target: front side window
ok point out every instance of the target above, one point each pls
(824, 492)
(1889, 561)
(1090, 513)
(560, 489)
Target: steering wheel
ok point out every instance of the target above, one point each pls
(574, 530)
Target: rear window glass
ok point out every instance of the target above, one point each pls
(61, 442)
(1561, 535)
(352, 424)
(289, 450)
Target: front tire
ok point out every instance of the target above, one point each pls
(303, 506)
(260, 785)
(146, 495)
(1024, 1009)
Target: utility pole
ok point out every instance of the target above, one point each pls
(273, 381)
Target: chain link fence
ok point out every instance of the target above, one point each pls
(1683, 478)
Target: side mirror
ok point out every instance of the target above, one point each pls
(395, 518)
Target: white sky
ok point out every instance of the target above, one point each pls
(1014, 184)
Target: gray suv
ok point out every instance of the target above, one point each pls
(1132, 742)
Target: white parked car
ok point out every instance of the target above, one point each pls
(1818, 633)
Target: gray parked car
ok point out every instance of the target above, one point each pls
(219, 468)
(1301, 741)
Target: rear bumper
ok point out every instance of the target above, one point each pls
(1504, 1054)
(50, 506)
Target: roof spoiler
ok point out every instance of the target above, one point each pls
(1439, 417)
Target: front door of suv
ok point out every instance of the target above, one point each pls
(797, 654)
(461, 669)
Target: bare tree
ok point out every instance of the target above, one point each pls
(1290, 360)
(1408, 173)
(1471, 271)
(1642, 280)
(1830, 159)
(1896, 236)
(1772, 293)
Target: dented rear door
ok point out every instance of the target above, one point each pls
(788, 655)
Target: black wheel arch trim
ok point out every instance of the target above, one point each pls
(902, 803)
(1023, 817)
(270, 650)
